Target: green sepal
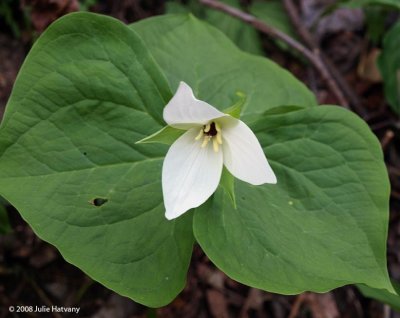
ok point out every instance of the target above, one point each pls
(167, 135)
(236, 109)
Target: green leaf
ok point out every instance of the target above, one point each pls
(389, 65)
(323, 225)
(69, 161)
(192, 51)
(383, 295)
(274, 14)
(363, 3)
(174, 7)
(166, 135)
(375, 17)
(7, 15)
(242, 34)
(228, 184)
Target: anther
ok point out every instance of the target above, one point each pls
(205, 141)
(209, 131)
(218, 138)
(199, 135)
(215, 145)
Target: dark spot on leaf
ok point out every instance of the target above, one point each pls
(85, 153)
(98, 201)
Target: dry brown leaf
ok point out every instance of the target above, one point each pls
(217, 304)
(323, 305)
(367, 67)
(44, 12)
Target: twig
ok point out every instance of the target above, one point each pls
(381, 125)
(386, 311)
(41, 294)
(352, 299)
(313, 56)
(381, 112)
(387, 138)
(313, 45)
(252, 297)
(300, 299)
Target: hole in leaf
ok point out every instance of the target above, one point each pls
(98, 201)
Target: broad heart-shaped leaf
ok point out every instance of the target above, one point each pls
(323, 225)
(192, 51)
(389, 65)
(69, 163)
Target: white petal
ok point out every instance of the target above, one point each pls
(184, 110)
(190, 174)
(243, 155)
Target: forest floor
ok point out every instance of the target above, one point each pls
(33, 272)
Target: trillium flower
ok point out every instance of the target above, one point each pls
(193, 165)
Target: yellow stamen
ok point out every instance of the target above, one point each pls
(218, 138)
(215, 135)
(199, 135)
(215, 145)
(205, 141)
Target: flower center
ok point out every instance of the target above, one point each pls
(211, 131)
